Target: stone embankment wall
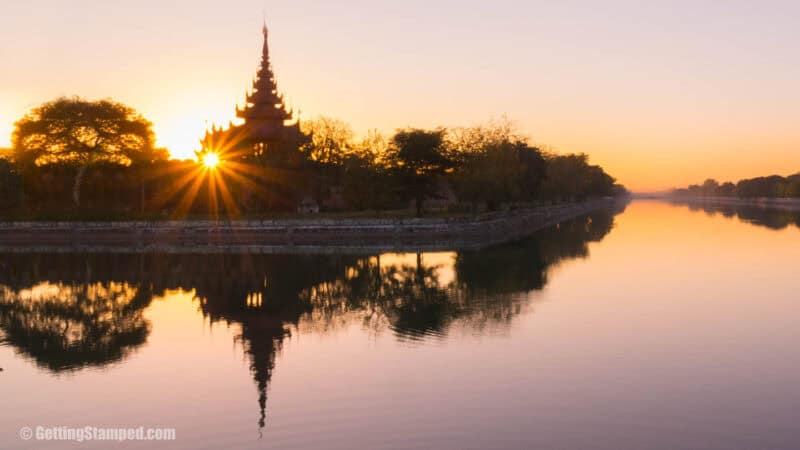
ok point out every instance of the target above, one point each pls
(312, 234)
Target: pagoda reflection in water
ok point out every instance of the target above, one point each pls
(271, 297)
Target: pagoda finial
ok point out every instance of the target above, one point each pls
(265, 30)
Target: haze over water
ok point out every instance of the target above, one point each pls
(653, 327)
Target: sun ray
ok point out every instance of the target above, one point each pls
(231, 207)
(242, 178)
(185, 204)
(174, 188)
(245, 168)
(253, 184)
(213, 200)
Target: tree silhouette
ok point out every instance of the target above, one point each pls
(774, 186)
(500, 172)
(571, 177)
(81, 133)
(10, 187)
(418, 158)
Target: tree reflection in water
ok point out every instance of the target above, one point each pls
(772, 218)
(72, 311)
(65, 324)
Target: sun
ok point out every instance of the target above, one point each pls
(210, 160)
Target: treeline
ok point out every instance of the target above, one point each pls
(78, 159)
(482, 167)
(774, 186)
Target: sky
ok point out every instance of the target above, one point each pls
(660, 93)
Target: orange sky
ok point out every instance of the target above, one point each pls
(660, 94)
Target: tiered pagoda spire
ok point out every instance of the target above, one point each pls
(269, 125)
(264, 107)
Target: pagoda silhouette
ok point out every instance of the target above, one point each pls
(270, 131)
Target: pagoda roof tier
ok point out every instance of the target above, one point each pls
(264, 112)
(265, 96)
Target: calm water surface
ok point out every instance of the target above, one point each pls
(657, 327)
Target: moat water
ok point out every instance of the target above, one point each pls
(654, 326)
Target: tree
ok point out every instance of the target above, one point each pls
(598, 183)
(365, 181)
(495, 164)
(760, 187)
(563, 181)
(571, 177)
(532, 170)
(727, 189)
(710, 187)
(418, 157)
(329, 147)
(80, 133)
(793, 185)
(502, 172)
(10, 187)
(331, 140)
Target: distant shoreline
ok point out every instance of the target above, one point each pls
(272, 236)
(788, 204)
